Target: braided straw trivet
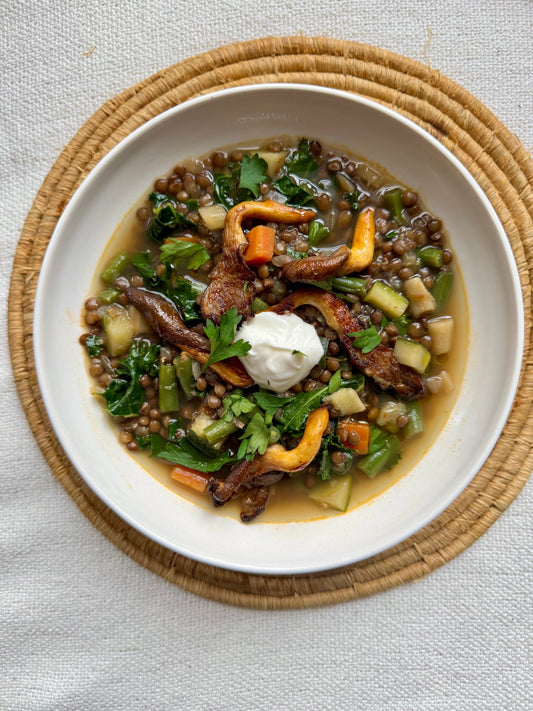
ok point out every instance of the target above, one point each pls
(466, 127)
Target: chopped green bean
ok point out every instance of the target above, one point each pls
(415, 426)
(115, 268)
(441, 289)
(350, 285)
(109, 296)
(168, 388)
(393, 202)
(183, 368)
(218, 431)
(373, 464)
(430, 256)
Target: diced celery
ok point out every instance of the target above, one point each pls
(382, 296)
(412, 354)
(334, 493)
(372, 464)
(430, 256)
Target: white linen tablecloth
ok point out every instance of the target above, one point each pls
(84, 627)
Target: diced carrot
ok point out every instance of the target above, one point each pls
(190, 477)
(260, 245)
(361, 429)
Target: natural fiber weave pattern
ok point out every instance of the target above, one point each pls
(491, 153)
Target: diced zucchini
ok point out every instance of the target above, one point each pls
(346, 401)
(420, 299)
(388, 414)
(213, 216)
(382, 296)
(412, 354)
(441, 332)
(197, 436)
(274, 160)
(119, 331)
(333, 493)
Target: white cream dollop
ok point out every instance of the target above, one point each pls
(284, 349)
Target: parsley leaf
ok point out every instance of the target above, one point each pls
(402, 323)
(176, 249)
(221, 338)
(366, 340)
(256, 436)
(124, 395)
(253, 172)
(236, 405)
(317, 232)
(94, 345)
(185, 453)
(294, 254)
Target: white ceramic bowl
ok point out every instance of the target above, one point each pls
(494, 302)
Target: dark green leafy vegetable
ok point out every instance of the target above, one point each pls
(183, 293)
(94, 345)
(142, 261)
(221, 338)
(317, 232)
(242, 183)
(301, 162)
(390, 235)
(124, 395)
(296, 194)
(166, 218)
(269, 403)
(186, 454)
(176, 249)
(366, 340)
(353, 200)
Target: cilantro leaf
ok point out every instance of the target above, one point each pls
(317, 232)
(257, 437)
(124, 395)
(185, 453)
(176, 249)
(221, 338)
(366, 340)
(94, 345)
(253, 172)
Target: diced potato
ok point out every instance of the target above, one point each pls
(441, 382)
(388, 414)
(274, 160)
(119, 331)
(412, 354)
(420, 299)
(346, 401)
(213, 216)
(441, 332)
(334, 493)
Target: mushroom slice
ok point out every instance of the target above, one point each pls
(316, 268)
(232, 281)
(380, 364)
(276, 458)
(362, 249)
(167, 323)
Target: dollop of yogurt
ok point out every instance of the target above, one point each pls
(284, 349)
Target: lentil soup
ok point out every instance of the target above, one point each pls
(297, 236)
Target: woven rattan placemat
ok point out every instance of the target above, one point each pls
(466, 127)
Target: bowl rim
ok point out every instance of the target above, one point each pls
(38, 322)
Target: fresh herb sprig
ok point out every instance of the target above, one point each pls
(221, 338)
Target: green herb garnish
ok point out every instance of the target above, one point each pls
(124, 395)
(94, 345)
(366, 340)
(221, 338)
(176, 249)
(317, 232)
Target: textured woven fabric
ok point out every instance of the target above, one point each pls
(82, 625)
